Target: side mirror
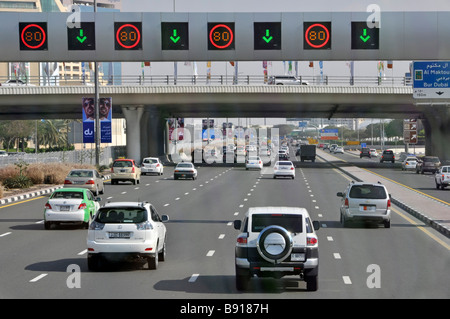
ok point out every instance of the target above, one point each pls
(237, 224)
(316, 225)
(164, 218)
(98, 199)
(340, 194)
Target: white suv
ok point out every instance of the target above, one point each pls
(276, 242)
(127, 229)
(365, 202)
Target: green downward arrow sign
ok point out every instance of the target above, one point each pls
(81, 38)
(174, 37)
(267, 37)
(364, 37)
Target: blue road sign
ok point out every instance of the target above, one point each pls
(431, 80)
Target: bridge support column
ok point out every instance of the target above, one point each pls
(154, 133)
(133, 115)
(437, 132)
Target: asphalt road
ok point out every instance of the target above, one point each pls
(409, 260)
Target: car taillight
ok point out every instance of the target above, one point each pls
(389, 203)
(82, 206)
(157, 165)
(48, 206)
(132, 169)
(67, 182)
(91, 182)
(260, 162)
(292, 168)
(144, 226)
(346, 203)
(242, 240)
(311, 241)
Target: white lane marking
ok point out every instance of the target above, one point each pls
(337, 256)
(230, 223)
(38, 277)
(347, 280)
(236, 213)
(241, 205)
(178, 198)
(109, 197)
(166, 205)
(329, 238)
(5, 234)
(82, 252)
(123, 193)
(40, 222)
(210, 253)
(221, 236)
(193, 278)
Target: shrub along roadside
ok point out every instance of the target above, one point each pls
(23, 176)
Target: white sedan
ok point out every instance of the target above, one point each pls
(185, 170)
(284, 168)
(254, 162)
(409, 163)
(373, 152)
(14, 82)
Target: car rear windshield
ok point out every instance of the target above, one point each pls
(285, 163)
(67, 195)
(368, 191)
(80, 174)
(150, 161)
(123, 164)
(185, 165)
(388, 152)
(292, 223)
(431, 159)
(121, 215)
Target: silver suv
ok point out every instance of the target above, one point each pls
(365, 202)
(275, 242)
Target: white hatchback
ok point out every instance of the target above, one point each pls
(152, 165)
(284, 168)
(127, 229)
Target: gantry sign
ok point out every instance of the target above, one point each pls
(224, 36)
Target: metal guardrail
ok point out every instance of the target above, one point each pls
(161, 80)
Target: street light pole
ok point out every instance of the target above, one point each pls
(97, 109)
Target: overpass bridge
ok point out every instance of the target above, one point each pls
(145, 107)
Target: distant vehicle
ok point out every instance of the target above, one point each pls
(428, 164)
(253, 162)
(373, 152)
(3, 153)
(365, 202)
(132, 230)
(365, 151)
(285, 80)
(85, 178)
(339, 149)
(409, 163)
(70, 205)
(277, 242)
(387, 156)
(442, 177)
(185, 170)
(284, 168)
(308, 153)
(16, 82)
(283, 155)
(152, 165)
(125, 170)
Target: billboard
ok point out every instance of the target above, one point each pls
(105, 114)
(329, 134)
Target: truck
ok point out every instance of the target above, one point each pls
(308, 152)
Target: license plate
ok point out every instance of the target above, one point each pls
(119, 235)
(123, 170)
(364, 208)
(64, 208)
(297, 257)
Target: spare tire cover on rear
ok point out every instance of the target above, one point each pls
(274, 244)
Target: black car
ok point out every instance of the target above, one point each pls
(387, 156)
(365, 151)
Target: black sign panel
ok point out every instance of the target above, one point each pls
(82, 38)
(365, 38)
(128, 35)
(175, 35)
(33, 36)
(267, 35)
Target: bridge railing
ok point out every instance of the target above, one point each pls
(183, 80)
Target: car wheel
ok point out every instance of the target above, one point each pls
(153, 262)
(162, 253)
(387, 224)
(343, 221)
(47, 225)
(437, 185)
(242, 278)
(442, 186)
(93, 262)
(274, 244)
(312, 283)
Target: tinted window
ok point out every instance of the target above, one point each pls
(185, 165)
(123, 164)
(80, 174)
(68, 195)
(368, 191)
(292, 223)
(118, 215)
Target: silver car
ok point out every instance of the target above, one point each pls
(85, 178)
(365, 202)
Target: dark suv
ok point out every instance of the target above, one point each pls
(387, 156)
(428, 164)
(365, 151)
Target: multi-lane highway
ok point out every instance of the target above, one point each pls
(408, 260)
